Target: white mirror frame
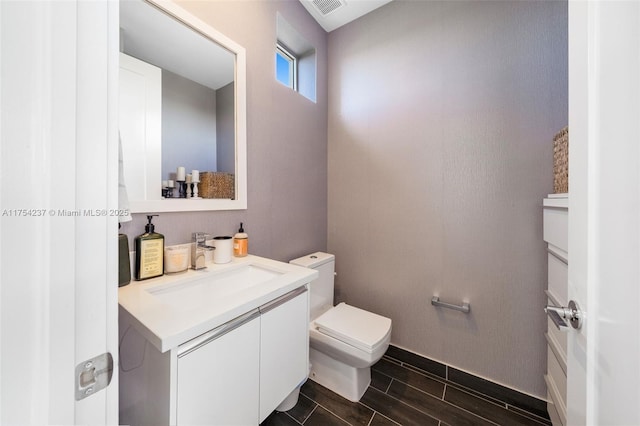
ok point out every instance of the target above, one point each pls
(187, 205)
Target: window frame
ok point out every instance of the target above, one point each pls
(286, 53)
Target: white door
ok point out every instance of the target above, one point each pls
(218, 378)
(140, 126)
(603, 358)
(284, 348)
(58, 181)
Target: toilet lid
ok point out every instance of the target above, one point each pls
(356, 327)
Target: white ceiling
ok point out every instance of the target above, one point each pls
(343, 11)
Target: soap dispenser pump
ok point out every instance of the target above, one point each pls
(149, 252)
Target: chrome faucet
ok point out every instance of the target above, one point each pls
(199, 240)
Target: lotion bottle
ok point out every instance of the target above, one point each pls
(149, 253)
(240, 243)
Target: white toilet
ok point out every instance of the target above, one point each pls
(344, 341)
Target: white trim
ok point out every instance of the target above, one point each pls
(113, 60)
(282, 50)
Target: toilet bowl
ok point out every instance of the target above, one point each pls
(344, 341)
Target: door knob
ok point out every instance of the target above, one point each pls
(559, 314)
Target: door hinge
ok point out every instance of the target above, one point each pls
(93, 375)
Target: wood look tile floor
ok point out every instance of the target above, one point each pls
(402, 395)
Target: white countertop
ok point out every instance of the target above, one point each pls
(173, 309)
(557, 200)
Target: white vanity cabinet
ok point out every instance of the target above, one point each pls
(556, 219)
(234, 374)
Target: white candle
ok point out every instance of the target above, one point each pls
(195, 176)
(180, 174)
(164, 183)
(170, 184)
(188, 178)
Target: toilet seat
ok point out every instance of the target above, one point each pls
(356, 327)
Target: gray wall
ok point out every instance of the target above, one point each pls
(441, 119)
(188, 125)
(286, 140)
(225, 129)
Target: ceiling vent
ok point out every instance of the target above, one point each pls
(325, 7)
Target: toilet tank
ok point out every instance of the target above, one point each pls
(322, 288)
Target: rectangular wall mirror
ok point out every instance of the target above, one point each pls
(182, 104)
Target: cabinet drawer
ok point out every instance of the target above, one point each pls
(556, 227)
(553, 411)
(557, 276)
(557, 376)
(558, 341)
(555, 400)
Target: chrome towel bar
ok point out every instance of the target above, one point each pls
(465, 307)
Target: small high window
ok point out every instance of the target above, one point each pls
(286, 67)
(295, 60)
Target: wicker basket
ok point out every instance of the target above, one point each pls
(561, 162)
(217, 185)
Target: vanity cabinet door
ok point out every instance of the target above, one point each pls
(284, 348)
(217, 377)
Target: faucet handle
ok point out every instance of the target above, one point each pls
(199, 237)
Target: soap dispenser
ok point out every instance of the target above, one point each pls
(240, 243)
(149, 252)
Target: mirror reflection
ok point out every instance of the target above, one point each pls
(177, 107)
